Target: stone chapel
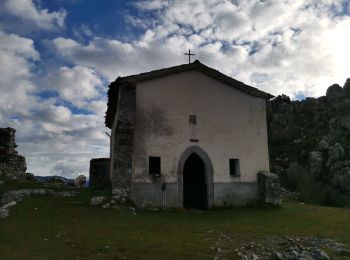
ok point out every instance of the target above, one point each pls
(187, 136)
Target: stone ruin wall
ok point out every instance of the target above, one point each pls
(269, 189)
(99, 176)
(12, 165)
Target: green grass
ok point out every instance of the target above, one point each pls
(68, 228)
(10, 184)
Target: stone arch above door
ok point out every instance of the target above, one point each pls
(209, 172)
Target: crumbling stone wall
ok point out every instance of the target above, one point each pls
(124, 138)
(11, 164)
(99, 173)
(269, 190)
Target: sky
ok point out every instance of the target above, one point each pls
(57, 58)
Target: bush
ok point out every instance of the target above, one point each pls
(310, 189)
(292, 177)
(332, 197)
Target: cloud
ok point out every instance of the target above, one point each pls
(17, 55)
(297, 46)
(112, 58)
(151, 5)
(28, 11)
(53, 138)
(77, 85)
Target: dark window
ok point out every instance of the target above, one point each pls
(154, 165)
(234, 167)
(193, 119)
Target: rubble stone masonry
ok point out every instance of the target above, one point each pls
(12, 165)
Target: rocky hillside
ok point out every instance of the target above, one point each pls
(309, 144)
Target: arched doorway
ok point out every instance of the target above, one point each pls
(209, 173)
(195, 187)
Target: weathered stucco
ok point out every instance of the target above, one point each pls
(230, 124)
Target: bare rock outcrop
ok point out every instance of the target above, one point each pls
(334, 91)
(313, 133)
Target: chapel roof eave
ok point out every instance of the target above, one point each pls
(196, 65)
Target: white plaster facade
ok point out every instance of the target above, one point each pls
(231, 124)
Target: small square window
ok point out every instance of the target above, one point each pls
(234, 167)
(193, 119)
(154, 165)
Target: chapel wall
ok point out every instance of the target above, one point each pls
(230, 124)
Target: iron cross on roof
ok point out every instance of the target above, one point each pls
(189, 55)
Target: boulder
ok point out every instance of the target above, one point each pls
(4, 213)
(95, 201)
(19, 195)
(119, 192)
(9, 205)
(106, 206)
(15, 195)
(120, 195)
(41, 192)
(291, 195)
(116, 197)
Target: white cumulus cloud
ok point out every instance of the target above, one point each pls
(292, 47)
(77, 85)
(29, 11)
(17, 55)
(52, 138)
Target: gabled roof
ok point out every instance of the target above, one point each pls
(196, 65)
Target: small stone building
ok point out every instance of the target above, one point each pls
(12, 165)
(187, 136)
(99, 176)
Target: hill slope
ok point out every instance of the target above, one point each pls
(309, 145)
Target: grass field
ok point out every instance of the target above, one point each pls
(68, 228)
